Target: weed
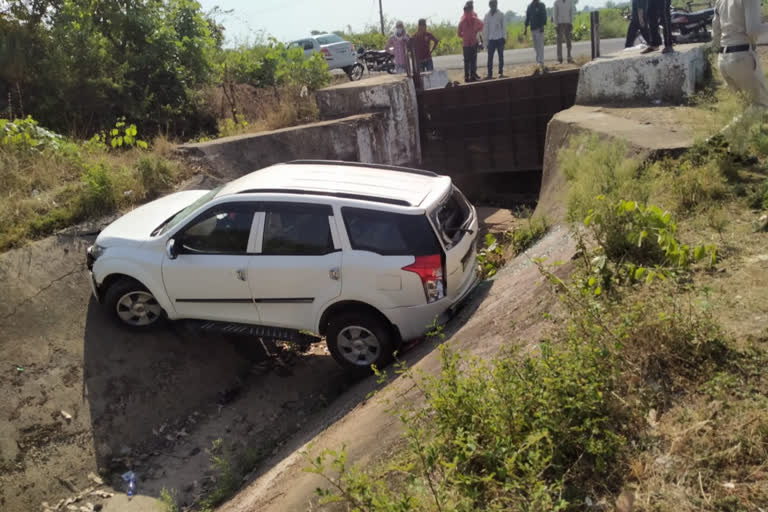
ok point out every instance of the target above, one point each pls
(168, 499)
(523, 238)
(491, 256)
(758, 198)
(594, 168)
(156, 175)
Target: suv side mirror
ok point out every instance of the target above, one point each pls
(170, 249)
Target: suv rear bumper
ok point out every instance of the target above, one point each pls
(415, 321)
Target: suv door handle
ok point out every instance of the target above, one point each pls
(241, 274)
(334, 274)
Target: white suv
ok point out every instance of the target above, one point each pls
(366, 255)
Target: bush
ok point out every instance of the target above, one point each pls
(99, 190)
(156, 175)
(685, 187)
(595, 168)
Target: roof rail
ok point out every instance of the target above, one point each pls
(360, 164)
(342, 195)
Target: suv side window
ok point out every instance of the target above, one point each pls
(389, 234)
(297, 230)
(224, 229)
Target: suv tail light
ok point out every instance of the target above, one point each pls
(326, 52)
(430, 270)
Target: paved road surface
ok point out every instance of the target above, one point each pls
(527, 55)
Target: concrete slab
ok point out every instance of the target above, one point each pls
(633, 78)
(646, 138)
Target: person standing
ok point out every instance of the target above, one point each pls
(470, 27)
(562, 17)
(398, 46)
(637, 23)
(424, 43)
(536, 18)
(658, 15)
(495, 35)
(735, 30)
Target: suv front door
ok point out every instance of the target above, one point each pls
(298, 266)
(208, 279)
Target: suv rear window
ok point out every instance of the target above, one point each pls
(389, 234)
(451, 217)
(329, 39)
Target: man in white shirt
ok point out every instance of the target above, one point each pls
(562, 17)
(495, 34)
(735, 30)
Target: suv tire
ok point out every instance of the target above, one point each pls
(131, 305)
(358, 340)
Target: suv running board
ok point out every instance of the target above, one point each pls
(259, 331)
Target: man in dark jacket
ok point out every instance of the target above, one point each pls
(536, 18)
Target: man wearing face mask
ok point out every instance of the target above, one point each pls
(398, 46)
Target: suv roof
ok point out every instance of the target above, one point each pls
(378, 183)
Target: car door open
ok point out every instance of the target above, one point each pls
(298, 268)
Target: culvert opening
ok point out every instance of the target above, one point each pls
(490, 136)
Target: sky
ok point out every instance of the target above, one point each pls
(293, 19)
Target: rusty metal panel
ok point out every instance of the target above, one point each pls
(490, 135)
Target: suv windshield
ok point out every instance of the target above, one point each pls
(329, 39)
(186, 212)
(451, 217)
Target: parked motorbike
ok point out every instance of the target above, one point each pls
(376, 60)
(692, 26)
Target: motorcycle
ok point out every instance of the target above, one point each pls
(691, 26)
(376, 60)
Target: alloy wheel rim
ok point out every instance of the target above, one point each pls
(138, 308)
(358, 345)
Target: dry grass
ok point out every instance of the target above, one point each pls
(50, 190)
(261, 109)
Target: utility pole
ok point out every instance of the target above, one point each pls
(381, 16)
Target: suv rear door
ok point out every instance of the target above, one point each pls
(389, 255)
(297, 268)
(457, 226)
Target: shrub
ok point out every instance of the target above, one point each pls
(99, 189)
(686, 187)
(156, 175)
(595, 168)
(27, 135)
(758, 199)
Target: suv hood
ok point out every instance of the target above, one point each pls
(135, 227)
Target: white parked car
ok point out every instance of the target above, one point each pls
(338, 53)
(368, 256)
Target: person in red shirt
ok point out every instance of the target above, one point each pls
(470, 27)
(424, 43)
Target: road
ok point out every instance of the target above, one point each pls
(527, 56)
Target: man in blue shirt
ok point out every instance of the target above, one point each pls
(536, 18)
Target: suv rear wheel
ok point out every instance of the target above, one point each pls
(131, 305)
(359, 340)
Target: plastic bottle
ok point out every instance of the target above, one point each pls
(130, 483)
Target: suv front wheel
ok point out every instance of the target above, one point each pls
(131, 305)
(359, 340)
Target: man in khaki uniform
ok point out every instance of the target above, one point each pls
(735, 30)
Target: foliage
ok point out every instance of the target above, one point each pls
(77, 65)
(169, 498)
(759, 197)
(491, 257)
(520, 433)
(636, 243)
(64, 182)
(27, 135)
(593, 169)
(522, 238)
(121, 136)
